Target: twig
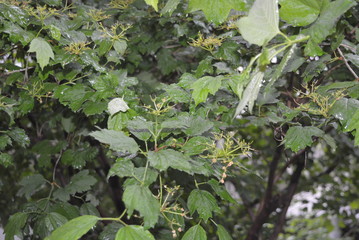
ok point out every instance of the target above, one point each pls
(347, 64)
(15, 71)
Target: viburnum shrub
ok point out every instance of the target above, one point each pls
(177, 119)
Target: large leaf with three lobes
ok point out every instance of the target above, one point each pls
(74, 229)
(261, 24)
(43, 51)
(117, 140)
(299, 137)
(203, 202)
(133, 232)
(140, 198)
(216, 10)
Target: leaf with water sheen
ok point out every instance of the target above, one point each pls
(133, 232)
(216, 10)
(203, 202)
(261, 24)
(74, 229)
(195, 233)
(250, 93)
(43, 51)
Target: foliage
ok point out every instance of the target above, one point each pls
(176, 119)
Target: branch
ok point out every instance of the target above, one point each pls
(267, 205)
(288, 163)
(347, 64)
(15, 71)
(286, 198)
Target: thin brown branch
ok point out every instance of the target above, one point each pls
(16, 71)
(347, 64)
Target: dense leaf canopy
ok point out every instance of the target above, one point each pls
(179, 119)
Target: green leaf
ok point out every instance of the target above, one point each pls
(170, 7)
(117, 140)
(119, 121)
(80, 182)
(205, 85)
(222, 233)
(65, 209)
(353, 124)
(48, 223)
(149, 173)
(169, 158)
(343, 110)
(74, 229)
(325, 24)
(354, 204)
(205, 66)
(15, 224)
(30, 185)
(299, 137)
(216, 10)
(300, 12)
(120, 46)
(196, 145)
(122, 168)
(4, 141)
(133, 232)
(153, 3)
(55, 32)
(203, 202)
(197, 126)
(6, 159)
(89, 209)
(109, 232)
(250, 93)
(221, 191)
(43, 51)
(261, 25)
(195, 233)
(20, 137)
(140, 198)
(141, 128)
(17, 33)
